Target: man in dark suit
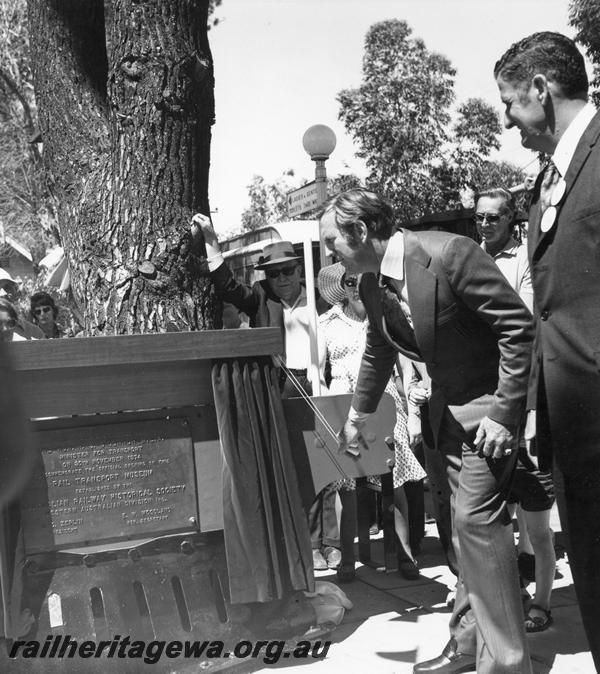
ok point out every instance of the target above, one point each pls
(438, 298)
(543, 86)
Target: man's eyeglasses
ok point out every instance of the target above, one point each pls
(9, 324)
(38, 311)
(350, 281)
(276, 273)
(492, 218)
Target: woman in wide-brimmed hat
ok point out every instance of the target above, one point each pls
(342, 336)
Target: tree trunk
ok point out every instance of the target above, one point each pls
(126, 133)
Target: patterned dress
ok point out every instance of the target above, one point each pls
(343, 337)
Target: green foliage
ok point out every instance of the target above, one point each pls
(212, 6)
(400, 118)
(268, 201)
(584, 16)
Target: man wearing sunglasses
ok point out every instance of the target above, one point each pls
(279, 301)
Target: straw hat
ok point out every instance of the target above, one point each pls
(330, 283)
(5, 276)
(276, 253)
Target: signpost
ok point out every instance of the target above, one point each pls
(302, 200)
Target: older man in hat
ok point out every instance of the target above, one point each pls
(279, 301)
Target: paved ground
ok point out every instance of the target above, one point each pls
(396, 622)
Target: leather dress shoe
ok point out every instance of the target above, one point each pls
(319, 563)
(449, 662)
(333, 557)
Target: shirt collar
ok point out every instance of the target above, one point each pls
(392, 264)
(565, 149)
(510, 248)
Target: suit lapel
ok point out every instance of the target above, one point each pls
(421, 286)
(584, 147)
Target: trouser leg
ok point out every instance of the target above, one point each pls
(347, 525)
(488, 582)
(579, 509)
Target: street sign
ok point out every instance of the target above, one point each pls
(302, 200)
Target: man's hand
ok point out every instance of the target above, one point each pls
(419, 395)
(494, 439)
(350, 437)
(202, 225)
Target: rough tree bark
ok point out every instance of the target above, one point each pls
(125, 100)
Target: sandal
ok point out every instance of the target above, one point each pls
(537, 623)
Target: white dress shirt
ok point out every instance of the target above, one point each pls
(565, 149)
(393, 266)
(513, 262)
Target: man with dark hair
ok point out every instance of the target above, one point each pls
(438, 298)
(543, 86)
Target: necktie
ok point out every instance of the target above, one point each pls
(548, 200)
(398, 325)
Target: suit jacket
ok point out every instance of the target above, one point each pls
(565, 268)
(473, 331)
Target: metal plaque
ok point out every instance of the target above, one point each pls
(107, 483)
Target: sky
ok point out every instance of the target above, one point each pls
(279, 65)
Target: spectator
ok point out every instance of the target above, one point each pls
(543, 85)
(342, 336)
(9, 289)
(44, 313)
(279, 301)
(532, 489)
(9, 320)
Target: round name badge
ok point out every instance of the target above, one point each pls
(548, 219)
(558, 192)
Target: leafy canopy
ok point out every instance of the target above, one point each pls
(400, 117)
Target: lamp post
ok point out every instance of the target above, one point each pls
(319, 142)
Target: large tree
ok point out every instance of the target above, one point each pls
(400, 116)
(25, 207)
(584, 16)
(125, 103)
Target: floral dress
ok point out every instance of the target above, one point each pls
(343, 339)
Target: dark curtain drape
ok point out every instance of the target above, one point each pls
(266, 533)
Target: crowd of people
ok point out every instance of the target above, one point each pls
(508, 335)
(490, 351)
(41, 320)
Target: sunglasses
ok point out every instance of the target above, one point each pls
(38, 311)
(350, 282)
(9, 324)
(492, 218)
(276, 273)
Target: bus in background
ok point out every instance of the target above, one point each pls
(241, 252)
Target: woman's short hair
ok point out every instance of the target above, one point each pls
(43, 299)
